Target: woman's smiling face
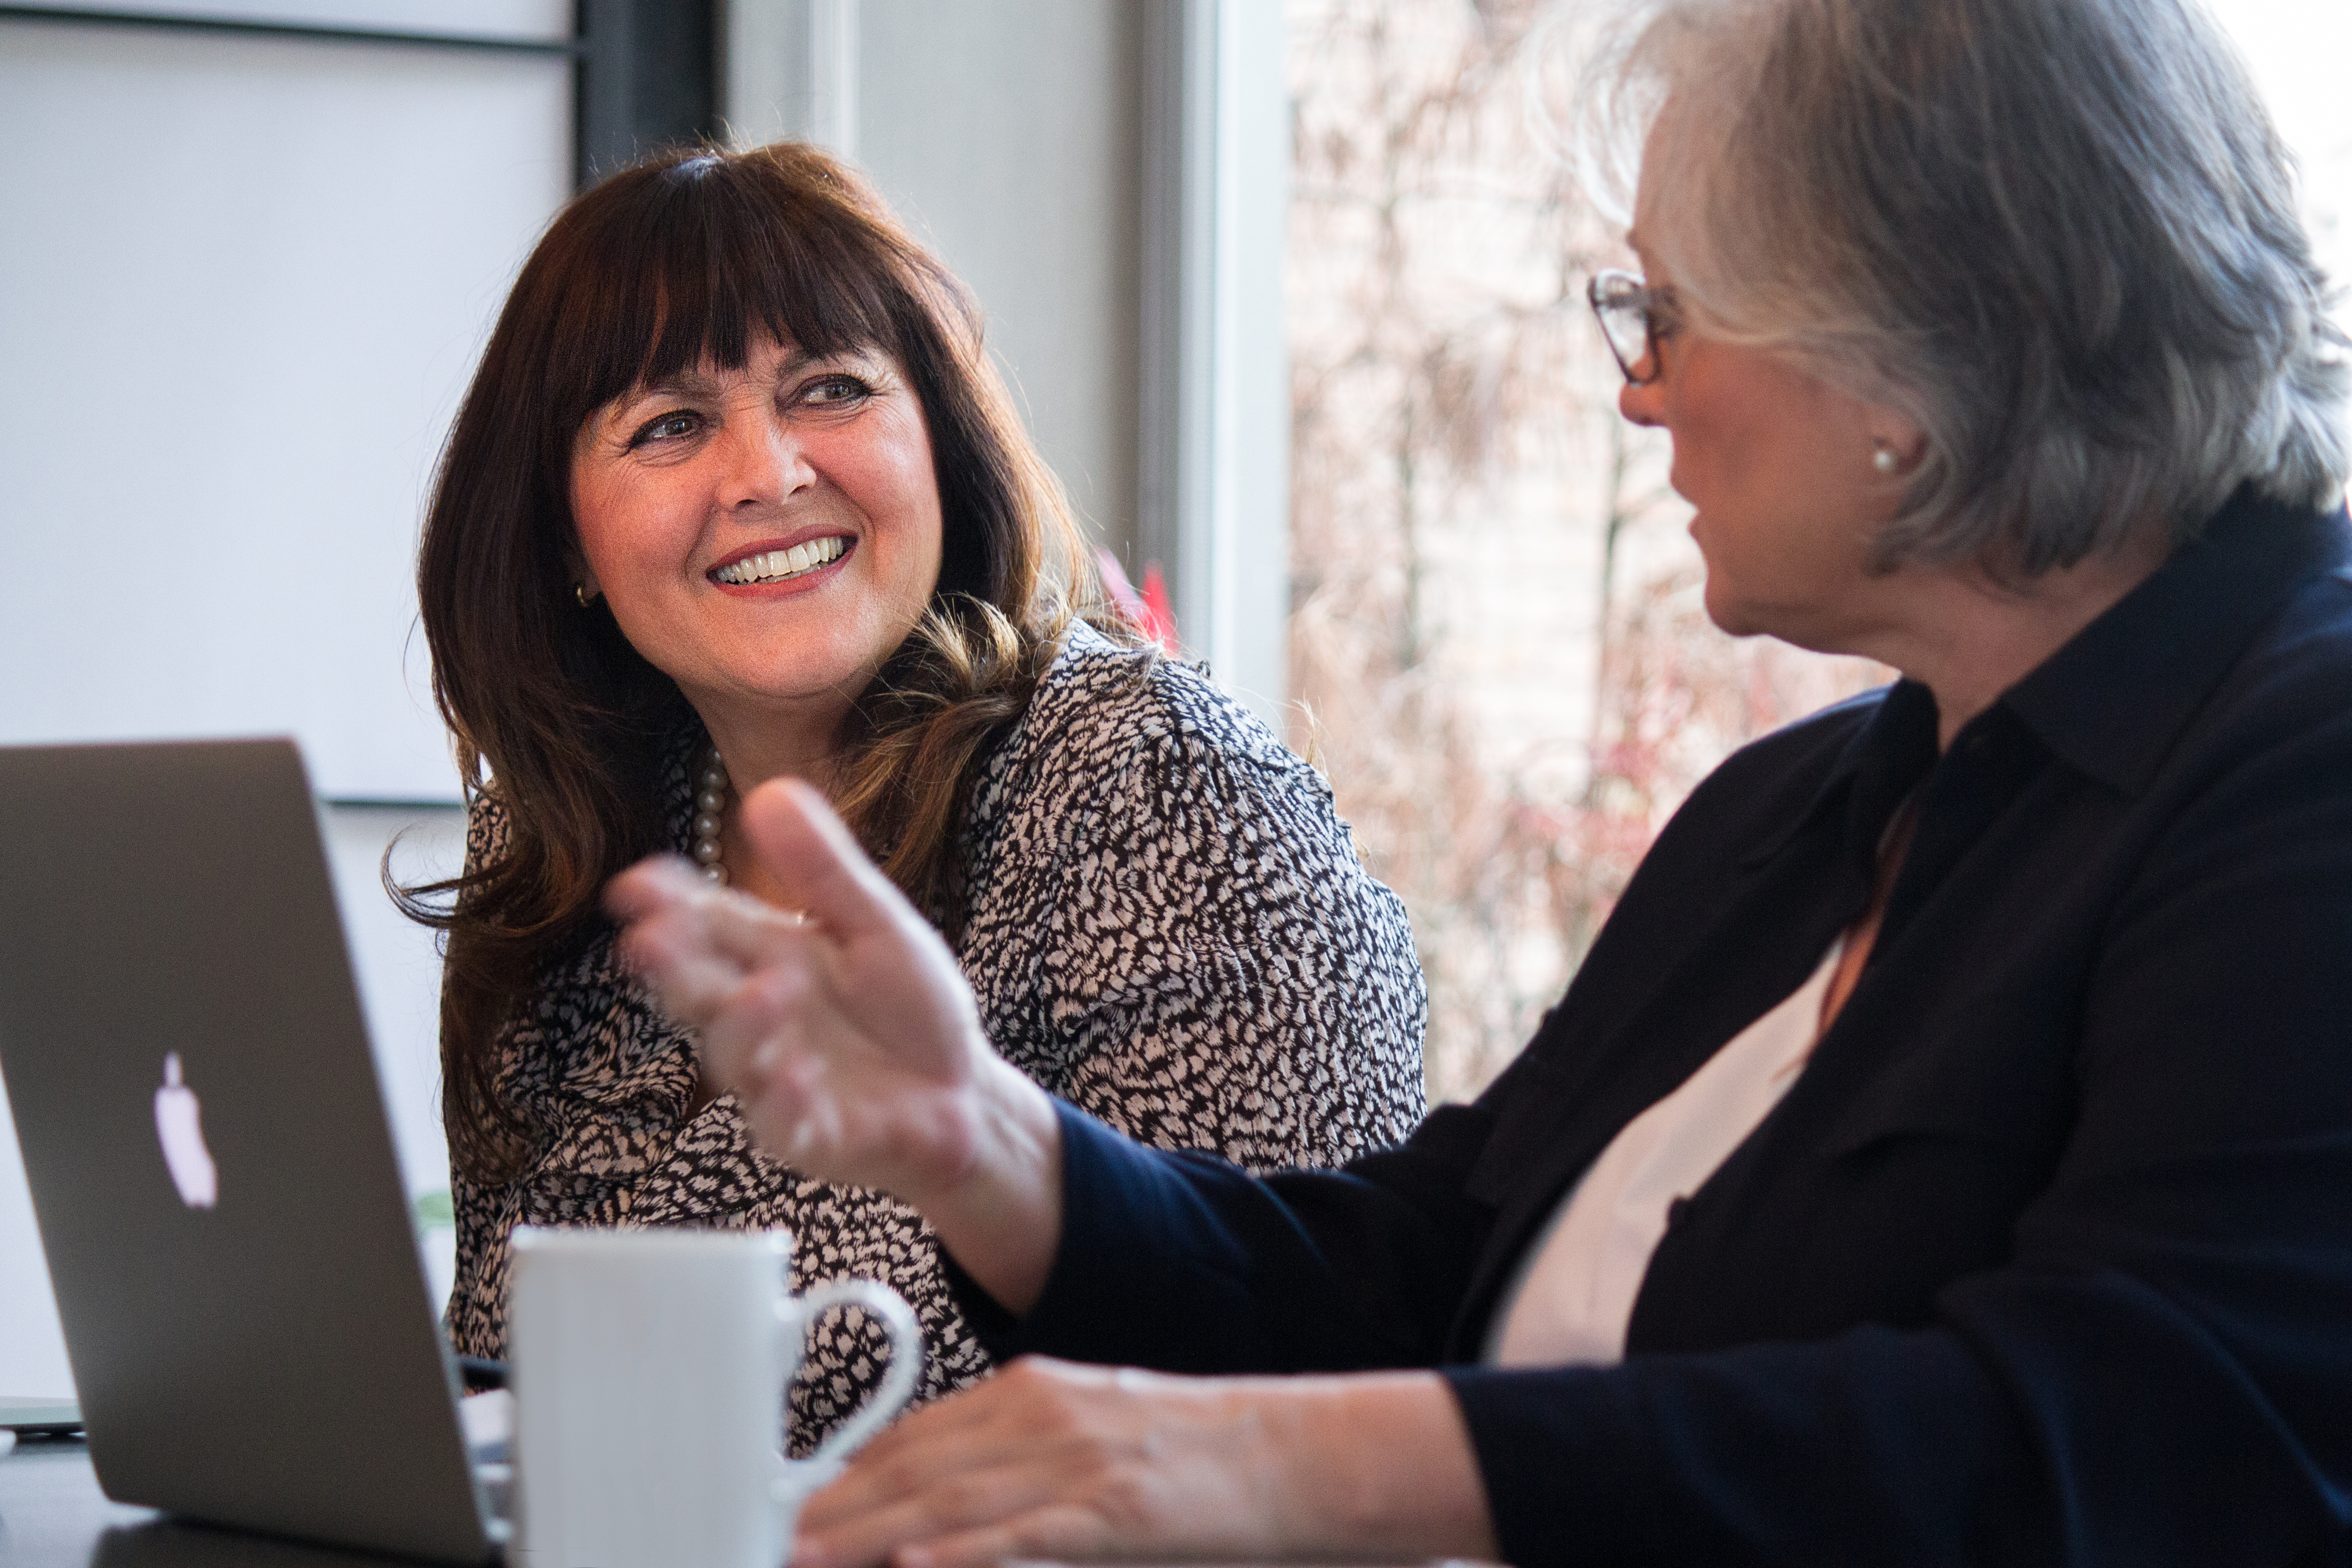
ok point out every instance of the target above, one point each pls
(766, 536)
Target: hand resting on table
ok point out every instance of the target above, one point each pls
(1051, 1459)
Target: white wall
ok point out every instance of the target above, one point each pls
(1009, 134)
(242, 282)
(1216, 369)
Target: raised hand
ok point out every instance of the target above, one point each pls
(850, 1038)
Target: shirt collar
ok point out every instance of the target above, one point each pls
(2114, 701)
(1887, 757)
(2111, 702)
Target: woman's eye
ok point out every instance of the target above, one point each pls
(670, 427)
(835, 391)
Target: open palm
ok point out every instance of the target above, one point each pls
(847, 1035)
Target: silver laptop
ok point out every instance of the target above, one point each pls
(245, 1309)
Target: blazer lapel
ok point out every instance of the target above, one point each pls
(1590, 1077)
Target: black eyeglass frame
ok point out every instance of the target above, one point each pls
(1618, 298)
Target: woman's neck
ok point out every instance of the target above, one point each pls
(765, 742)
(756, 746)
(1968, 638)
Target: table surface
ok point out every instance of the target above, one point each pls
(52, 1515)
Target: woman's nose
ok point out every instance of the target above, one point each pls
(764, 463)
(1642, 404)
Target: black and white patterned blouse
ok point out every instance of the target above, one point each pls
(1169, 927)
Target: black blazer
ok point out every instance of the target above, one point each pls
(2046, 1257)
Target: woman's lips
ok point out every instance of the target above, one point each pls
(767, 568)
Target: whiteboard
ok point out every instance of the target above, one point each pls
(544, 19)
(242, 283)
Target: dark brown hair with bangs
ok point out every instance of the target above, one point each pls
(694, 254)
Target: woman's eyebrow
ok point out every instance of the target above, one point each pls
(686, 380)
(693, 381)
(797, 360)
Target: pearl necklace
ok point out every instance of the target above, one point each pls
(709, 808)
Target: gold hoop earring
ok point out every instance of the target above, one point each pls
(580, 591)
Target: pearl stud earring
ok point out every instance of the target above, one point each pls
(1884, 458)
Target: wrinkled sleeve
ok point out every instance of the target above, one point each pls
(1184, 1262)
(1225, 974)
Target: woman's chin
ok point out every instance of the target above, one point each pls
(1731, 615)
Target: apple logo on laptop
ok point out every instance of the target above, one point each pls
(183, 1138)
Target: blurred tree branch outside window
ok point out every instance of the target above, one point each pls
(1497, 640)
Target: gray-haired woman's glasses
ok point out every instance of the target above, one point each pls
(1633, 316)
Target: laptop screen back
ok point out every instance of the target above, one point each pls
(215, 1181)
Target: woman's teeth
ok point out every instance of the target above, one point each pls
(776, 565)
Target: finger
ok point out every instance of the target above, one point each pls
(877, 1480)
(657, 883)
(915, 1436)
(1002, 1499)
(980, 1456)
(1062, 1533)
(817, 864)
(692, 962)
(667, 888)
(754, 1040)
(945, 1436)
(696, 953)
(752, 930)
(671, 958)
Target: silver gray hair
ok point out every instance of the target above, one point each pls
(2060, 235)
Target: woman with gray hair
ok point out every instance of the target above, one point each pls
(1943, 1154)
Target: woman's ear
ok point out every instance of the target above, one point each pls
(1897, 445)
(584, 586)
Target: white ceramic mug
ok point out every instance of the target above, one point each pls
(649, 1369)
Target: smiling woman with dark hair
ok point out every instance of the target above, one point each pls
(735, 493)
(1942, 1155)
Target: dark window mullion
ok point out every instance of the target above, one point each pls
(648, 78)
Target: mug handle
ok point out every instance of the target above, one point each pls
(793, 1315)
